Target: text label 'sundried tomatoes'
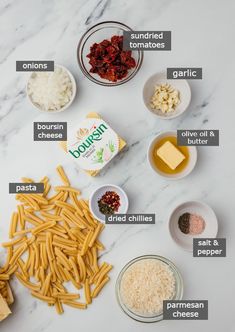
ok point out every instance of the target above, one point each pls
(109, 61)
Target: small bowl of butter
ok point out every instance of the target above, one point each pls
(166, 98)
(168, 159)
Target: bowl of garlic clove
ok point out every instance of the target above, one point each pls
(166, 98)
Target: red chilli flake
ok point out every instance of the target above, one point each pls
(109, 61)
(109, 203)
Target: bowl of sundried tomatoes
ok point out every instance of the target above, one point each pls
(102, 58)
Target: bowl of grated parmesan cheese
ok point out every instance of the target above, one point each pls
(51, 91)
(144, 283)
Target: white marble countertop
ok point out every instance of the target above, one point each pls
(202, 36)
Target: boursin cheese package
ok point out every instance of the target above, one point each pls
(93, 144)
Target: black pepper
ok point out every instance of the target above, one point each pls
(183, 223)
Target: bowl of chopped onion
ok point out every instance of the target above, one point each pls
(53, 91)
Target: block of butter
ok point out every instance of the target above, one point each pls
(170, 155)
(92, 143)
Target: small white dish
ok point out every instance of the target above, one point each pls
(74, 91)
(181, 85)
(188, 169)
(99, 192)
(185, 241)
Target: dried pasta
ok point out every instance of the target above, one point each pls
(54, 240)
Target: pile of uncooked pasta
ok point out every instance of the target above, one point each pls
(54, 246)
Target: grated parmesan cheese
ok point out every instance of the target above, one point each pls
(50, 90)
(145, 285)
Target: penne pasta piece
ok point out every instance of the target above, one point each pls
(67, 296)
(27, 180)
(13, 226)
(72, 261)
(59, 287)
(61, 245)
(48, 299)
(4, 276)
(94, 261)
(54, 231)
(89, 219)
(43, 227)
(21, 266)
(98, 287)
(86, 242)
(38, 198)
(103, 274)
(47, 188)
(43, 256)
(68, 189)
(83, 204)
(57, 271)
(47, 207)
(62, 258)
(45, 179)
(13, 242)
(74, 199)
(30, 201)
(62, 175)
(82, 267)
(12, 269)
(22, 232)
(32, 216)
(69, 242)
(46, 284)
(96, 275)
(19, 251)
(56, 197)
(62, 273)
(87, 292)
(95, 235)
(37, 261)
(49, 248)
(71, 217)
(65, 205)
(20, 209)
(27, 283)
(32, 262)
(74, 304)
(52, 268)
(59, 307)
(41, 275)
(50, 216)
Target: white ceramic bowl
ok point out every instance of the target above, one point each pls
(99, 192)
(188, 169)
(181, 85)
(185, 241)
(74, 90)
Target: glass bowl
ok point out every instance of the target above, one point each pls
(96, 34)
(178, 288)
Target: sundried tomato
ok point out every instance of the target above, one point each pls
(109, 61)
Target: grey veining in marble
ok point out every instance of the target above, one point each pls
(202, 35)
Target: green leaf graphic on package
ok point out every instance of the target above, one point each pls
(104, 154)
(99, 156)
(111, 146)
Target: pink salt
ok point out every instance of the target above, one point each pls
(196, 224)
